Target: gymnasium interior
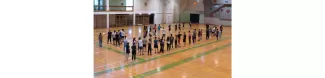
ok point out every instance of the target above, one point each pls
(205, 58)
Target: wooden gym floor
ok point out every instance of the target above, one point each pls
(204, 59)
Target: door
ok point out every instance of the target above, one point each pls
(194, 18)
(100, 21)
(151, 18)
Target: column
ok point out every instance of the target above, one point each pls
(107, 20)
(107, 5)
(133, 19)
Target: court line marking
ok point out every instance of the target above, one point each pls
(168, 66)
(157, 57)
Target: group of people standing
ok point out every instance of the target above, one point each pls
(116, 37)
(214, 31)
(142, 44)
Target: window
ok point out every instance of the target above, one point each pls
(129, 3)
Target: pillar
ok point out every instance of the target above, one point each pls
(107, 5)
(133, 19)
(107, 20)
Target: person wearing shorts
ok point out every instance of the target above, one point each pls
(127, 51)
(140, 46)
(155, 45)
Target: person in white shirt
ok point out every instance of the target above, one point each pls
(140, 46)
(163, 32)
(113, 35)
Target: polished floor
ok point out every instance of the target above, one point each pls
(203, 59)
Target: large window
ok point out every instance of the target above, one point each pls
(99, 5)
(129, 3)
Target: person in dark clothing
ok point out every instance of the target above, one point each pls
(168, 43)
(176, 39)
(207, 32)
(149, 47)
(156, 45)
(171, 40)
(200, 34)
(179, 35)
(175, 27)
(117, 39)
(221, 29)
(127, 51)
(100, 39)
(184, 38)
(194, 36)
(217, 34)
(169, 28)
(179, 26)
(134, 49)
(162, 44)
(109, 36)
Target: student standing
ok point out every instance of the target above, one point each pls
(125, 46)
(162, 42)
(194, 36)
(100, 39)
(113, 34)
(109, 36)
(169, 27)
(179, 39)
(184, 39)
(127, 51)
(175, 27)
(176, 39)
(141, 46)
(168, 43)
(207, 32)
(200, 34)
(134, 51)
(156, 45)
(117, 37)
(171, 40)
(179, 26)
(149, 47)
(217, 35)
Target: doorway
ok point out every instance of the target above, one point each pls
(151, 18)
(194, 18)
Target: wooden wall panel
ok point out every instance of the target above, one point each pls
(100, 21)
